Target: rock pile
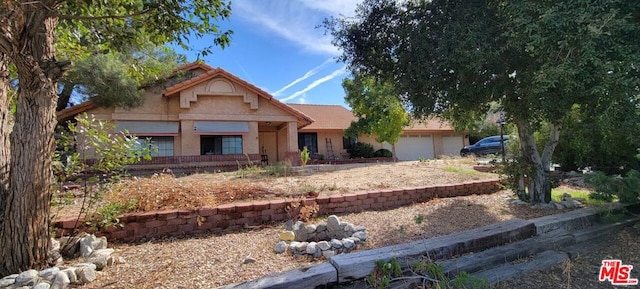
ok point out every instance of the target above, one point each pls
(568, 202)
(321, 240)
(96, 256)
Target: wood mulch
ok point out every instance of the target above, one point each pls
(211, 260)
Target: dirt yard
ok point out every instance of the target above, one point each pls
(206, 261)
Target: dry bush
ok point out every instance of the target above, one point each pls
(298, 211)
(163, 192)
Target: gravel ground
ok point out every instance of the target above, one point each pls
(207, 261)
(212, 260)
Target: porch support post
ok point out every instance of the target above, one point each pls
(292, 153)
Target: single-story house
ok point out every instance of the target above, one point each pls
(207, 117)
(428, 140)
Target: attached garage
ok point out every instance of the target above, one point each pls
(452, 144)
(411, 147)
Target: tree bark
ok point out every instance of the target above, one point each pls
(64, 97)
(24, 225)
(539, 180)
(6, 126)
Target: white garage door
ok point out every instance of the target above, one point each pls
(452, 144)
(414, 146)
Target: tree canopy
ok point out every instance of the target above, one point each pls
(39, 40)
(378, 109)
(117, 79)
(536, 59)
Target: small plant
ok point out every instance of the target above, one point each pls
(90, 153)
(304, 156)
(383, 274)
(422, 159)
(418, 219)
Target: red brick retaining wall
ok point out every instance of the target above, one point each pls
(240, 215)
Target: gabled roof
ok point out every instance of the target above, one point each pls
(337, 117)
(210, 73)
(327, 117)
(219, 72)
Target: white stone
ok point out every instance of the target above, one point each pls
(87, 245)
(6, 282)
(102, 252)
(71, 274)
(333, 223)
(86, 274)
(90, 265)
(43, 285)
(349, 228)
(281, 247)
(324, 245)
(61, 281)
(328, 254)
(54, 245)
(49, 273)
(26, 278)
(336, 244)
(310, 228)
(312, 248)
(348, 243)
(362, 235)
(558, 206)
(99, 261)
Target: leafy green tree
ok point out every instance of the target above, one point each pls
(536, 59)
(29, 34)
(378, 109)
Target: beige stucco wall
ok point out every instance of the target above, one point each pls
(215, 100)
(336, 144)
(436, 137)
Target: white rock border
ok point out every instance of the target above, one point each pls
(321, 240)
(93, 250)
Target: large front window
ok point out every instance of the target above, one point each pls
(162, 145)
(220, 144)
(310, 140)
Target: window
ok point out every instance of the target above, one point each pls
(164, 145)
(347, 142)
(220, 144)
(310, 140)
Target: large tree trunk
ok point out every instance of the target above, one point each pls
(24, 225)
(6, 124)
(539, 185)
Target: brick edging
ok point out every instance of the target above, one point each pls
(236, 216)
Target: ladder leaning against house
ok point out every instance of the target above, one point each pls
(330, 155)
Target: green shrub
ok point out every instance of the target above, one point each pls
(383, 153)
(361, 150)
(626, 188)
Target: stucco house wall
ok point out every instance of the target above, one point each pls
(212, 105)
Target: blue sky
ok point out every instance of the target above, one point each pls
(277, 47)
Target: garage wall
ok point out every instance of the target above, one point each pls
(452, 144)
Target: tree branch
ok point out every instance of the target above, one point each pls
(75, 17)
